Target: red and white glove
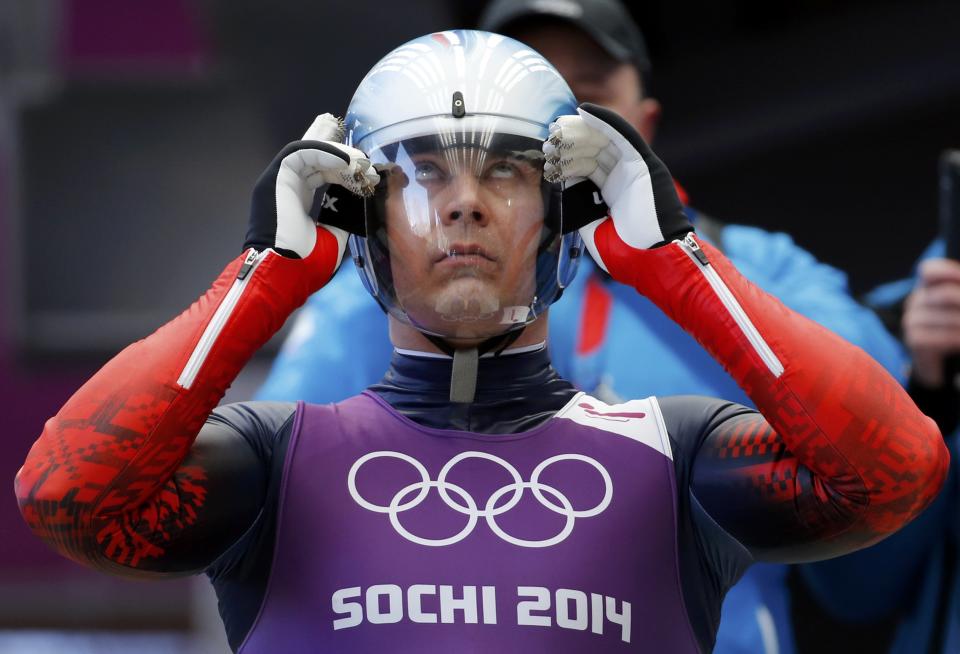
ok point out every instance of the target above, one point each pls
(645, 211)
(284, 194)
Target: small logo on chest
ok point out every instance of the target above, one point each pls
(502, 500)
(616, 416)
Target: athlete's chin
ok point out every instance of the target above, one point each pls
(464, 308)
(466, 303)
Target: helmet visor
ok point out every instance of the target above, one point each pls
(460, 243)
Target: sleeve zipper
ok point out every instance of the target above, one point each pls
(220, 317)
(693, 250)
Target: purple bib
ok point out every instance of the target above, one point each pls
(394, 537)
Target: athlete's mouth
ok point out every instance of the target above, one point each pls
(465, 253)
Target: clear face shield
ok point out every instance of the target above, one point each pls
(464, 236)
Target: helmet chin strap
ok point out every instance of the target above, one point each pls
(463, 375)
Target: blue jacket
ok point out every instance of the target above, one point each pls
(339, 346)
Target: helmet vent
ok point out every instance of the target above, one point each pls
(458, 109)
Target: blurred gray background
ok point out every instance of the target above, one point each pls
(131, 134)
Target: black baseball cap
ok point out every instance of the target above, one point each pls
(606, 21)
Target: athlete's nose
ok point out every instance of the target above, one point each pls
(464, 202)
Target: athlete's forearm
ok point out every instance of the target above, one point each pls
(874, 460)
(105, 483)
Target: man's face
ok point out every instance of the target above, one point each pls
(592, 74)
(463, 228)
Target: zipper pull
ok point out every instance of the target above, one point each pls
(691, 243)
(248, 264)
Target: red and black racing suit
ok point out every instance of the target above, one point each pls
(136, 476)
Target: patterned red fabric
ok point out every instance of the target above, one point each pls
(877, 461)
(104, 484)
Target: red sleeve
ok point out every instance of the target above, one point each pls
(875, 460)
(105, 483)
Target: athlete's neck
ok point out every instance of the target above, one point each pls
(515, 392)
(406, 337)
(510, 351)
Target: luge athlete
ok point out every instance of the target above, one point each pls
(473, 500)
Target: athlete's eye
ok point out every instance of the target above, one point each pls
(503, 170)
(427, 171)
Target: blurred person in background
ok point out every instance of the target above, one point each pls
(601, 52)
(136, 476)
(923, 311)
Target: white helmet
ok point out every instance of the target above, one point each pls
(464, 239)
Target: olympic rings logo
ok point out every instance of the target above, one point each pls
(459, 500)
